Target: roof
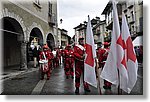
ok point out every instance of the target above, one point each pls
(100, 23)
(64, 30)
(109, 4)
(108, 7)
(78, 26)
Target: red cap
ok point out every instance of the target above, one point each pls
(45, 46)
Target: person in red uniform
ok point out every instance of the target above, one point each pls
(102, 56)
(69, 57)
(57, 57)
(50, 62)
(79, 53)
(63, 56)
(46, 55)
(55, 60)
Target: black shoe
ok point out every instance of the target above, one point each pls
(72, 77)
(42, 78)
(67, 77)
(77, 91)
(109, 87)
(87, 90)
(105, 87)
(47, 78)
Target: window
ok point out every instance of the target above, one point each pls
(132, 15)
(141, 24)
(126, 17)
(50, 8)
(133, 28)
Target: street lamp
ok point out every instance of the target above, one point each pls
(61, 21)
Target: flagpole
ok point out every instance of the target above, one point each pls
(98, 75)
(119, 83)
(91, 66)
(119, 89)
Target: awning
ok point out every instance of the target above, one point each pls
(138, 41)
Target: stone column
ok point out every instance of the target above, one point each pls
(23, 61)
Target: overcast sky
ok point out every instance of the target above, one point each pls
(74, 12)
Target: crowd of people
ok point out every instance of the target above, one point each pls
(72, 58)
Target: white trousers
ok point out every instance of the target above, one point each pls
(35, 61)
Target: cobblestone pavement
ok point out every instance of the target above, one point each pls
(28, 83)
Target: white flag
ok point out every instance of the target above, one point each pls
(110, 71)
(121, 65)
(89, 65)
(129, 62)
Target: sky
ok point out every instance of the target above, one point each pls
(74, 12)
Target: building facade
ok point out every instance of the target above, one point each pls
(59, 37)
(133, 10)
(24, 21)
(107, 12)
(80, 31)
(98, 28)
(134, 14)
(99, 31)
(65, 38)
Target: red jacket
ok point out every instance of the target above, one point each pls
(48, 55)
(69, 54)
(62, 53)
(102, 54)
(79, 51)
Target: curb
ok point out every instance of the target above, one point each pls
(14, 74)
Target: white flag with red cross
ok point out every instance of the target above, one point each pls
(121, 65)
(129, 61)
(89, 63)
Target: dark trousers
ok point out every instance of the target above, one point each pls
(79, 70)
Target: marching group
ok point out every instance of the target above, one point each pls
(71, 57)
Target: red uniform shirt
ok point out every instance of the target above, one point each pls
(102, 54)
(69, 54)
(47, 55)
(79, 51)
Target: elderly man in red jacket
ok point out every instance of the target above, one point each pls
(79, 53)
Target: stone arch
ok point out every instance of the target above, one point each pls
(5, 13)
(30, 28)
(50, 40)
(36, 33)
(13, 35)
